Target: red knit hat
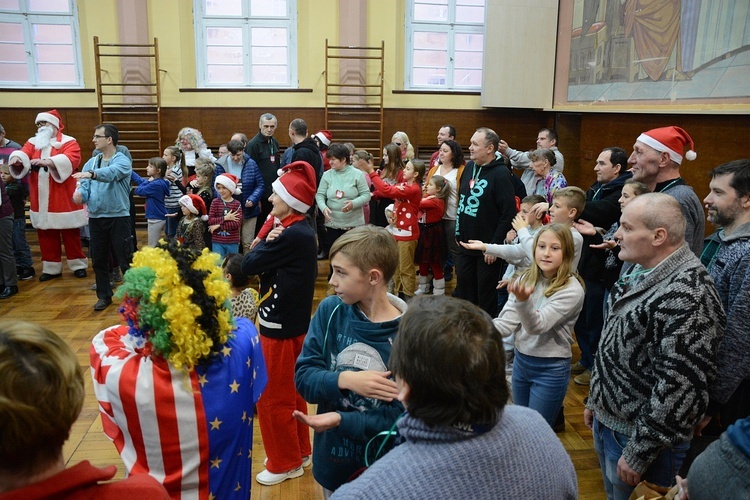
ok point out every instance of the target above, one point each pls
(229, 181)
(52, 117)
(672, 140)
(325, 137)
(296, 185)
(195, 204)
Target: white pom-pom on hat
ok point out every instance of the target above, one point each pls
(672, 140)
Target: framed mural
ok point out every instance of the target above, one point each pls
(652, 55)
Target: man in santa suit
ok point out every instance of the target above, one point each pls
(52, 157)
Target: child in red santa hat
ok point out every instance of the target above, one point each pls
(286, 261)
(225, 216)
(192, 226)
(323, 139)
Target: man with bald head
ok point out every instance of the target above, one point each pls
(655, 161)
(657, 355)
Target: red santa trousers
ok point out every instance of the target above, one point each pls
(49, 245)
(285, 439)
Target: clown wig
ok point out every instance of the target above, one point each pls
(178, 301)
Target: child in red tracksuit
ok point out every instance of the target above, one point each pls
(432, 248)
(407, 195)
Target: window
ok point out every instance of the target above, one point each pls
(39, 44)
(445, 44)
(246, 43)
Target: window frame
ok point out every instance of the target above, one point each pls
(452, 29)
(203, 22)
(27, 20)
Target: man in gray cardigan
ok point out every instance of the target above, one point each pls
(657, 354)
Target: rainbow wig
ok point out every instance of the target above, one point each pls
(178, 301)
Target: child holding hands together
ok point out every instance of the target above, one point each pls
(343, 365)
(407, 195)
(225, 216)
(543, 306)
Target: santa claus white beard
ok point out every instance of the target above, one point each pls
(43, 137)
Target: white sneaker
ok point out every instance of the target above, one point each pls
(269, 478)
(306, 461)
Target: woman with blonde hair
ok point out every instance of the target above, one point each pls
(191, 143)
(401, 140)
(542, 307)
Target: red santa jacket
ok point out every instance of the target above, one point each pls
(51, 189)
(406, 206)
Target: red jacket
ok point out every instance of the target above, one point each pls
(406, 207)
(431, 210)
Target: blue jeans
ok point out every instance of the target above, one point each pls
(540, 384)
(609, 445)
(224, 248)
(21, 249)
(172, 222)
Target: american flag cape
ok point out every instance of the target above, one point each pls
(191, 431)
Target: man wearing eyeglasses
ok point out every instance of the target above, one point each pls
(104, 184)
(50, 158)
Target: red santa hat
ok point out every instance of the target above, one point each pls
(296, 185)
(52, 117)
(229, 181)
(672, 140)
(325, 137)
(195, 204)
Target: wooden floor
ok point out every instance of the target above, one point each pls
(65, 306)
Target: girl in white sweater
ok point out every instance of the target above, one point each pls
(543, 306)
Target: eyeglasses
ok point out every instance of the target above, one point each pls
(41, 124)
(99, 136)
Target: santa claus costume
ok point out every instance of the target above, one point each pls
(53, 213)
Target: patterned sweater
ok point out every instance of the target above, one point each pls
(730, 270)
(657, 356)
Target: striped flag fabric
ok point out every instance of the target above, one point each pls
(191, 430)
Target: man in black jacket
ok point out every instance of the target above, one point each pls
(486, 207)
(264, 150)
(305, 148)
(602, 210)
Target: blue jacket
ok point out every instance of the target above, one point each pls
(108, 195)
(155, 192)
(342, 338)
(252, 184)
